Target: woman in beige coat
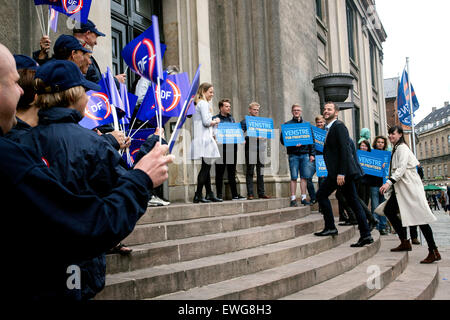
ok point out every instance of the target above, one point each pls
(404, 193)
(203, 145)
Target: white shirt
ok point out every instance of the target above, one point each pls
(328, 126)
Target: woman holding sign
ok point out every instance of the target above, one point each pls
(405, 194)
(203, 145)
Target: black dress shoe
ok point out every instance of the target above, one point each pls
(200, 199)
(348, 223)
(213, 198)
(327, 232)
(372, 225)
(362, 242)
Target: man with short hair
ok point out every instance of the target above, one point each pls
(255, 149)
(87, 34)
(343, 169)
(301, 159)
(228, 155)
(69, 48)
(77, 227)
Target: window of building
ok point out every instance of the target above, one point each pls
(129, 18)
(426, 148)
(439, 170)
(357, 117)
(448, 141)
(437, 147)
(373, 63)
(351, 31)
(319, 12)
(432, 148)
(428, 173)
(377, 129)
(443, 145)
(445, 170)
(434, 171)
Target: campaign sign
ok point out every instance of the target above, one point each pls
(230, 133)
(373, 163)
(319, 138)
(386, 155)
(321, 167)
(259, 127)
(296, 133)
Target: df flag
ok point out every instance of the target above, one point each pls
(404, 100)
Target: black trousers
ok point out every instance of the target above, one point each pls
(252, 161)
(392, 211)
(204, 179)
(349, 192)
(228, 161)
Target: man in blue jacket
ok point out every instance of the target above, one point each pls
(37, 209)
(301, 159)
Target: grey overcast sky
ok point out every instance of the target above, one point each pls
(419, 30)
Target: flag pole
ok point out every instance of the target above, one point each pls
(411, 108)
(48, 21)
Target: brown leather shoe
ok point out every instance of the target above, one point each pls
(433, 255)
(405, 245)
(264, 197)
(250, 197)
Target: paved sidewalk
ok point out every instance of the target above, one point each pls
(441, 229)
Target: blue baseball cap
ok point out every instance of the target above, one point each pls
(25, 62)
(69, 42)
(61, 75)
(89, 26)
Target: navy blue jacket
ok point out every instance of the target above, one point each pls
(18, 130)
(304, 149)
(52, 228)
(84, 163)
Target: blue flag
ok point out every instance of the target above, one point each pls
(404, 100)
(188, 108)
(129, 101)
(139, 137)
(98, 110)
(75, 9)
(296, 133)
(53, 16)
(140, 55)
(174, 92)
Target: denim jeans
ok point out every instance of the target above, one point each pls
(301, 164)
(375, 199)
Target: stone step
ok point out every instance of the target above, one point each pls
(173, 251)
(182, 229)
(417, 282)
(363, 281)
(175, 212)
(284, 280)
(443, 289)
(151, 282)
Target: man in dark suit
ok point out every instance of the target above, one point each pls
(343, 168)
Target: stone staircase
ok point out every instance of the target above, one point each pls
(260, 249)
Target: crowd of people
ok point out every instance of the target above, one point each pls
(74, 194)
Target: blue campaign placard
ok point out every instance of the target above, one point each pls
(296, 133)
(230, 133)
(319, 136)
(259, 127)
(321, 167)
(374, 163)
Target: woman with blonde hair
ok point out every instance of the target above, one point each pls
(203, 145)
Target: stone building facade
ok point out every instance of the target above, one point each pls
(433, 147)
(250, 50)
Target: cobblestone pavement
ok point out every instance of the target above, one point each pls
(441, 228)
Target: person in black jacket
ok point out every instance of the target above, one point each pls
(343, 168)
(255, 149)
(301, 159)
(79, 227)
(228, 155)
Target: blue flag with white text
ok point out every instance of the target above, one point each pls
(75, 9)
(404, 100)
(98, 110)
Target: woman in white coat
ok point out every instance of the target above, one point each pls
(203, 145)
(404, 193)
